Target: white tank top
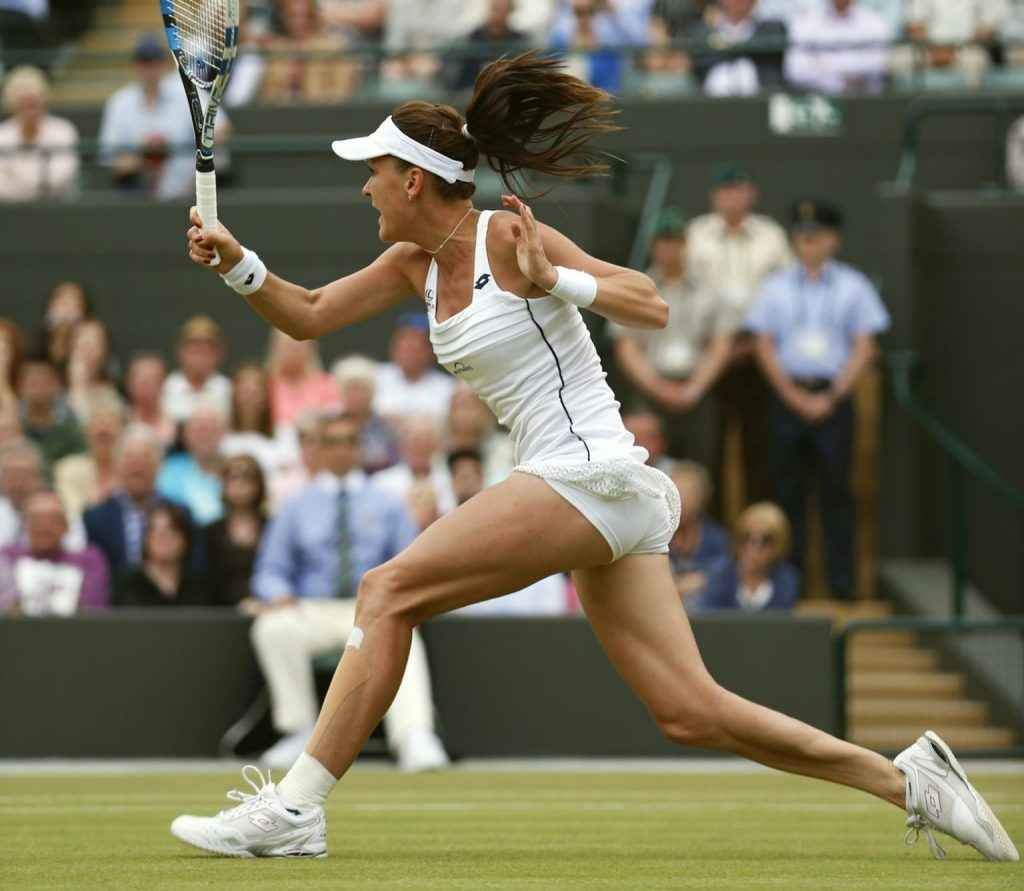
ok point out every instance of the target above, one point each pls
(534, 365)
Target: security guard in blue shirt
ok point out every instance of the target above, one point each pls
(816, 322)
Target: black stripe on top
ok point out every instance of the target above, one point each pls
(558, 365)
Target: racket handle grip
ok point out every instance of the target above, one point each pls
(206, 203)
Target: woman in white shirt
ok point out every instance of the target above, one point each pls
(38, 152)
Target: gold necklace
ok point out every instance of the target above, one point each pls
(450, 234)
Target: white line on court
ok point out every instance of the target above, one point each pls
(65, 766)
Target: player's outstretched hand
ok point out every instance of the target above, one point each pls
(202, 243)
(533, 261)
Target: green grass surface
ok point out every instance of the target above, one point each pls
(499, 830)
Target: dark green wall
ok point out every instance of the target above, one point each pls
(137, 683)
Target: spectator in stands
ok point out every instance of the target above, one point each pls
(45, 416)
(42, 577)
(192, 477)
(699, 542)
(297, 379)
(252, 429)
(411, 383)
(422, 460)
(291, 76)
(731, 250)
(144, 385)
(648, 433)
(91, 367)
(415, 33)
(21, 476)
(86, 479)
(116, 525)
(311, 560)
(361, 21)
(357, 381)
(595, 34)
(250, 64)
(421, 502)
(545, 597)
(12, 351)
(494, 38)
(146, 133)
(840, 48)
(66, 306)
(299, 460)
(197, 379)
(959, 35)
(740, 54)
(758, 576)
(472, 426)
(233, 540)
(10, 423)
(676, 367)
(38, 151)
(671, 20)
(163, 578)
(816, 323)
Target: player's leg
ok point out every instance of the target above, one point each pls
(502, 540)
(634, 609)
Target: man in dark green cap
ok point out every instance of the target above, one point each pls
(674, 369)
(731, 250)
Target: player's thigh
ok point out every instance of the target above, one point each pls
(503, 539)
(636, 613)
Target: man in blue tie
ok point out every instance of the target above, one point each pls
(307, 572)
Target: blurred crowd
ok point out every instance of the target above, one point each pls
(125, 482)
(326, 51)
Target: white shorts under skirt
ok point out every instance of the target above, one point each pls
(635, 507)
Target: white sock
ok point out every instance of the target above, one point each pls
(307, 783)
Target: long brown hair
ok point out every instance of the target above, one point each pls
(526, 113)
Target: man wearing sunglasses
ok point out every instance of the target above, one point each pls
(312, 557)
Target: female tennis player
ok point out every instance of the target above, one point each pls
(503, 294)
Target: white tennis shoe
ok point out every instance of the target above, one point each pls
(262, 825)
(939, 796)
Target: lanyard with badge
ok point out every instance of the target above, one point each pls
(814, 335)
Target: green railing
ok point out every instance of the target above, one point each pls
(1003, 108)
(962, 462)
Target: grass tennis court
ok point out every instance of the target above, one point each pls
(474, 830)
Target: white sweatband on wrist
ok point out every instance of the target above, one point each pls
(574, 286)
(247, 275)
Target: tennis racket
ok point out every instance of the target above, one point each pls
(203, 35)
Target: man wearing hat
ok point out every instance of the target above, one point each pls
(731, 251)
(816, 322)
(146, 133)
(197, 380)
(674, 368)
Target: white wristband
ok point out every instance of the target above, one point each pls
(574, 286)
(247, 275)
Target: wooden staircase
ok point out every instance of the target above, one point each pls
(117, 27)
(897, 687)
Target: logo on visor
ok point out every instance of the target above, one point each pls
(483, 280)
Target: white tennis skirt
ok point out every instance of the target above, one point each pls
(635, 507)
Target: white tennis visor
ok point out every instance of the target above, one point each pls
(387, 139)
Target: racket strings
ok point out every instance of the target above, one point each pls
(202, 29)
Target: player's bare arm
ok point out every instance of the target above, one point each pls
(305, 313)
(623, 295)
